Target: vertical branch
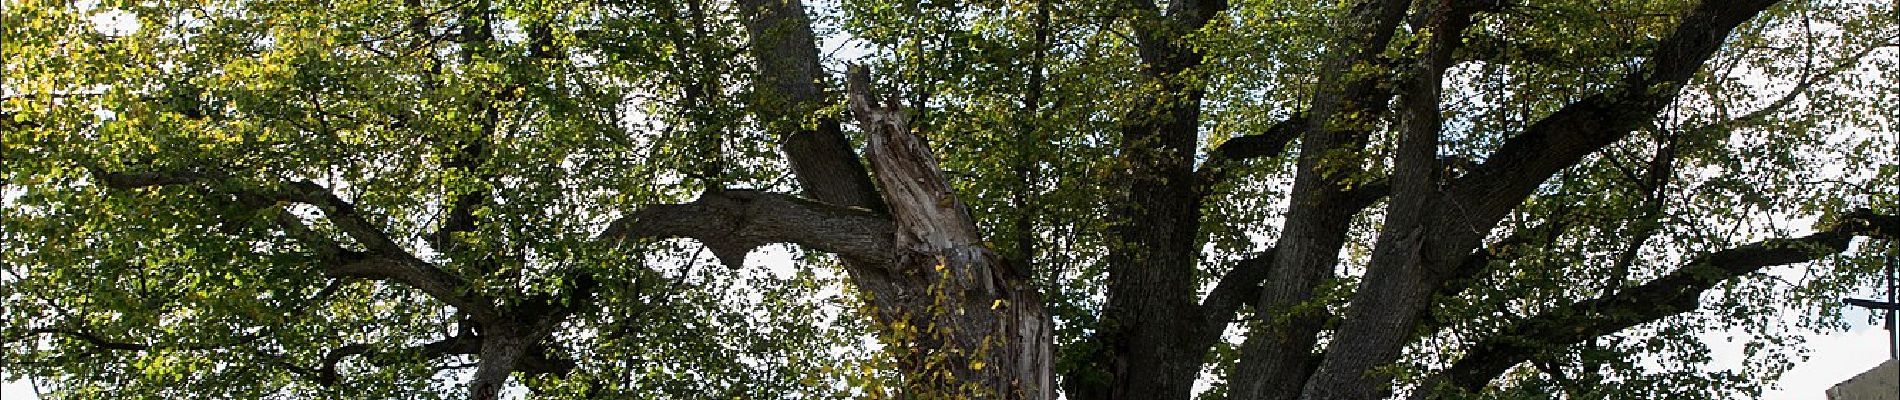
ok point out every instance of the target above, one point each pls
(1028, 139)
(1431, 228)
(789, 96)
(1401, 279)
(695, 62)
(1276, 358)
(468, 152)
(1653, 184)
(924, 206)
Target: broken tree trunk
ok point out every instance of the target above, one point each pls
(971, 326)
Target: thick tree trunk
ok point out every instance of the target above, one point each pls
(1151, 336)
(970, 323)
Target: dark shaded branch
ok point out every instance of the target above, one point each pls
(1244, 284)
(1156, 214)
(537, 361)
(1369, 93)
(1510, 175)
(1265, 144)
(1029, 139)
(460, 216)
(384, 259)
(467, 154)
(414, 273)
(1194, 13)
(1562, 139)
(1238, 286)
(1872, 304)
(733, 222)
(1220, 162)
(1388, 302)
(788, 82)
(95, 340)
(340, 213)
(133, 180)
(344, 216)
(326, 368)
(101, 342)
(1475, 265)
(341, 262)
(1674, 293)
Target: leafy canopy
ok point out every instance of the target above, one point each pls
(495, 140)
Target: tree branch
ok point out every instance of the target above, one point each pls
(788, 81)
(1800, 88)
(460, 216)
(1194, 14)
(733, 222)
(1238, 286)
(102, 343)
(1272, 143)
(537, 360)
(93, 339)
(1558, 141)
(1672, 294)
(385, 259)
(1467, 273)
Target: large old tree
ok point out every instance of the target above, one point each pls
(1010, 199)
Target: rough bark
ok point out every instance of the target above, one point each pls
(1343, 373)
(790, 93)
(1150, 347)
(980, 321)
(973, 325)
(1276, 358)
(498, 357)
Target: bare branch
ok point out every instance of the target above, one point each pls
(1272, 143)
(1800, 88)
(1238, 286)
(733, 222)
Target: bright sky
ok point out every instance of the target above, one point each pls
(1835, 358)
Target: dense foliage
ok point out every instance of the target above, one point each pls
(376, 199)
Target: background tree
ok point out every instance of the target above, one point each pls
(1096, 200)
